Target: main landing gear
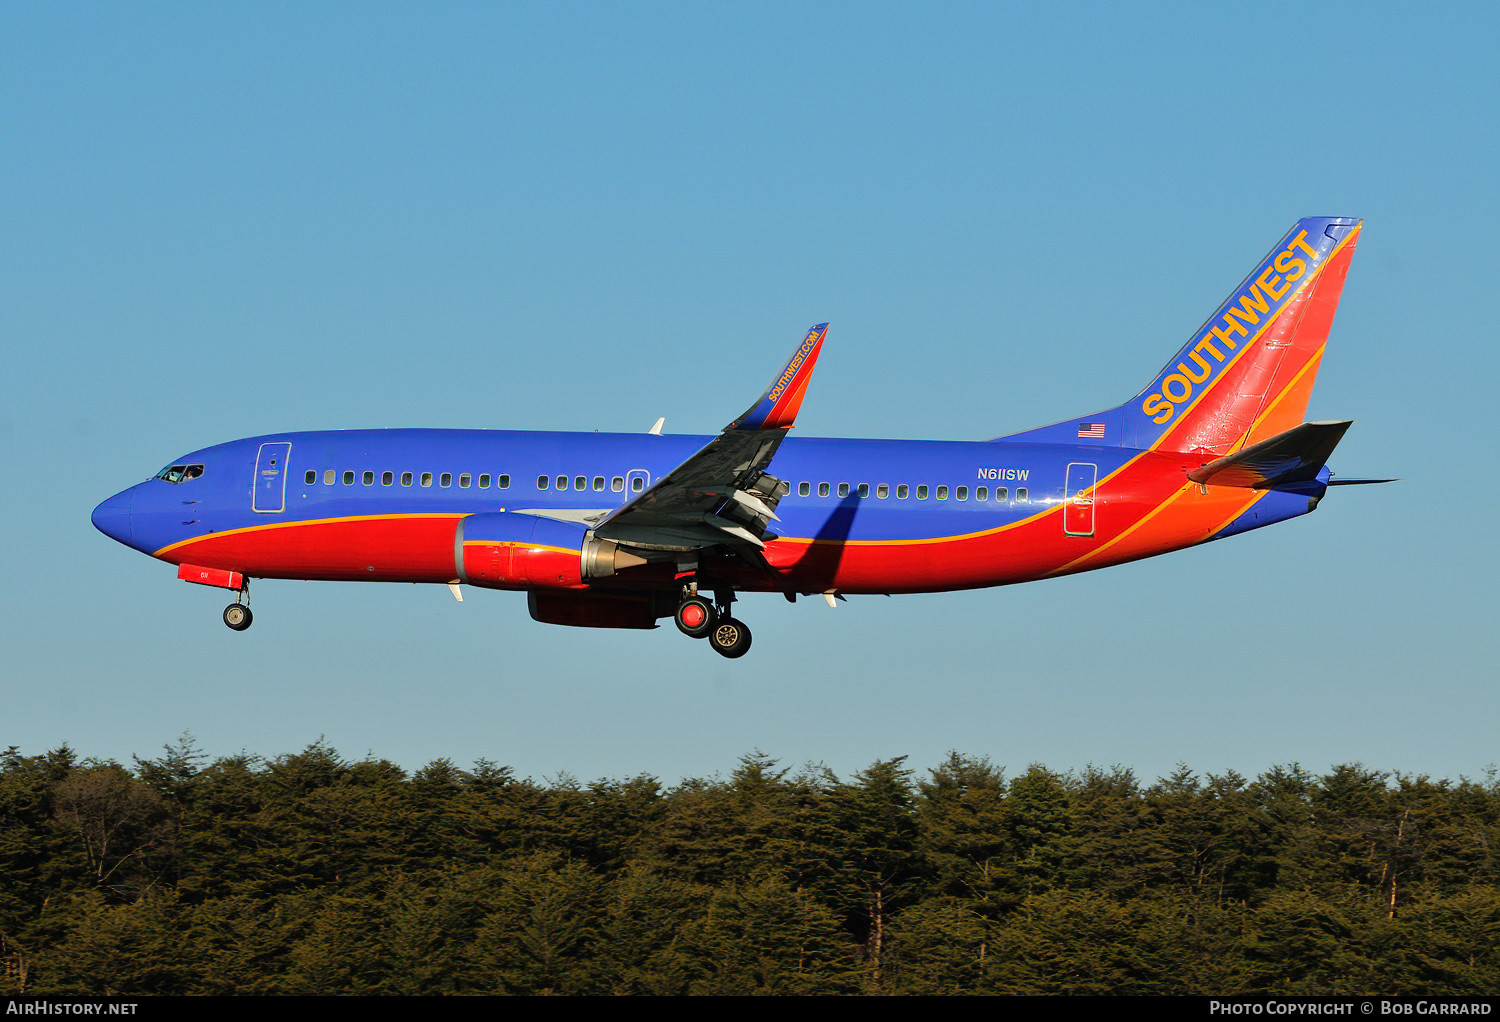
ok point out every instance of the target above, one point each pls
(699, 619)
(237, 615)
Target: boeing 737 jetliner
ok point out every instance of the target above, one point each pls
(615, 530)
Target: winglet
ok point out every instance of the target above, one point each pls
(777, 407)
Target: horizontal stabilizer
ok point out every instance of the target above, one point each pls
(1291, 457)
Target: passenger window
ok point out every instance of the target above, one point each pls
(348, 478)
(822, 489)
(541, 482)
(962, 493)
(982, 493)
(484, 482)
(1021, 496)
(921, 492)
(637, 484)
(1002, 494)
(864, 490)
(504, 483)
(617, 484)
(598, 483)
(942, 493)
(580, 482)
(883, 491)
(312, 476)
(562, 482)
(426, 478)
(446, 479)
(843, 489)
(464, 481)
(368, 479)
(405, 478)
(387, 478)
(329, 476)
(803, 489)
(902, 491)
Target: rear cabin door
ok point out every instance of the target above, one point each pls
(270, 478)
(1078, 512)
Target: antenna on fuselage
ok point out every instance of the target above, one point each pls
(656, 429)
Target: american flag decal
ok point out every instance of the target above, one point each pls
(1091, 430)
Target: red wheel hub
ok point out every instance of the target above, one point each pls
(694, 615)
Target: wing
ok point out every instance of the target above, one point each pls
(723, 495)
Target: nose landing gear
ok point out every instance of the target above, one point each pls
(237, 615)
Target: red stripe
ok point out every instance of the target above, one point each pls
(360, 549)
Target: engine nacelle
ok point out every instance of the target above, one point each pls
(506, 550)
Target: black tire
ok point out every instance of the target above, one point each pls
(238, 616)
(695, 608)
(730, 638)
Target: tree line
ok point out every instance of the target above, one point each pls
(309, 873)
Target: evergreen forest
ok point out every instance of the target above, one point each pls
(310, 874)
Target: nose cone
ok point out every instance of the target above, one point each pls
(113, 517)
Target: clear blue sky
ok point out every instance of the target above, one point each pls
(223, 220)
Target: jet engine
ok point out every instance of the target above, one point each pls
(509, 550)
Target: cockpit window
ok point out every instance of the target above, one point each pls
(180, 473)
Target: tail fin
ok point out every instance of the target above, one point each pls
(1246, 374)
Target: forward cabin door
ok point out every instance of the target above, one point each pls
(270, 478)
(1078, 512)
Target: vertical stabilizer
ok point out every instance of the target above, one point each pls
(1246, 374)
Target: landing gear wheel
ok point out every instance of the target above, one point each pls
(695, 617)
(238, 616)
(730, 638)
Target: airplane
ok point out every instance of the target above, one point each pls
(616, 530)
